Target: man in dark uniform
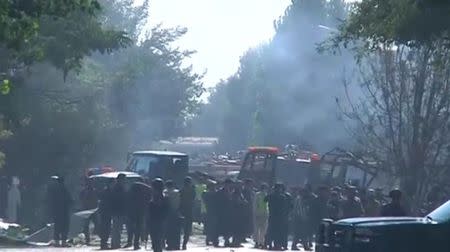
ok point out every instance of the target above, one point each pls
(119, 210)
(139, 196)
(224, 202)
(173, 225)
(276, 202)
(187, 198)
(3, 196)
(104, 212)
(352, 206)
(89, 200)
(394, 209)
(158, 210)
(60, 203)
(249, 195)
(287, 208)
(239, 223)
(209, 198)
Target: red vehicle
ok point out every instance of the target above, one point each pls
(269, 165)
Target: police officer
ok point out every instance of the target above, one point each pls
(394, 209)
(261, 213)
(372, 206)
(105, 213)
(352, 206)
(60, 203)
(158, 210)
(224, 211)
(173, 227)
(89, 200)
(276, 202)
(119, 210)
(249, 195)
(138, 197)
(239, 214)
(209, 199)
(187, 199)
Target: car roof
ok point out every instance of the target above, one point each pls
(115, 174)
(160, 153)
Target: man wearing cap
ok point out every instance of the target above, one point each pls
(276, 203)
(261, 213)
(138, 197)
(60, 204)
(119, 210)
(394, 209)
(173, 227)
(372, 206)
(158, 210)
(209, 198)
(224, 203)
(352, 206)
(187, 199)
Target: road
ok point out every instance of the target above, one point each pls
(195, 246)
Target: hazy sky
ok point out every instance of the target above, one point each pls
(219, 30)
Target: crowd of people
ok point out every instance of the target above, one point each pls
(233, 211)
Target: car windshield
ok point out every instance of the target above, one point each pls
(441, 214)
(145, 163)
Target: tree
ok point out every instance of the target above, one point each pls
(412, 23)
(283, 91)
(19, 20)
(403, 116)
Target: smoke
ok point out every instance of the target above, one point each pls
(290, 83)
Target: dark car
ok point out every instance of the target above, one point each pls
(383, 234)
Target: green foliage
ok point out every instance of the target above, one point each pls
(5, 87)
(19, 20)
(113, 102)
(65, 48)
(412, 23)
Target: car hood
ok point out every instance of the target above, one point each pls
(372, 221)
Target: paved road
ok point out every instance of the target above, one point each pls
(194, 247)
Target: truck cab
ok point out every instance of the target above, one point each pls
(396, 234)
(163, 164)
(268, 165)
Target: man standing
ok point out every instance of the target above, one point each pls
(239, 223)
(173, 227)
(89, 200)
(3, 196)
(372, 206)
(14, 200)
(187, 198)
(249, 196)
(277, 203)
(225, 211)
(139, 196)
(158, 210)
(352, 206)
(308, 202)
(105, 212)
(209, 199)
(119, 203)
(287, 208)
(394, 209)
(261, 213)
(60, 203)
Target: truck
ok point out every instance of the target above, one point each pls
(269, 165)
(396, 234)
(164, 164)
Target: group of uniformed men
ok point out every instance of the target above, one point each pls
(234, 211)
